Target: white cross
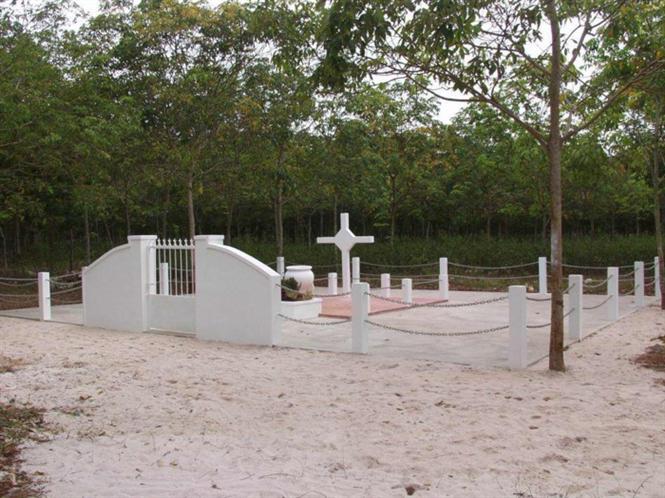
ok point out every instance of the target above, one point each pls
(345, 240)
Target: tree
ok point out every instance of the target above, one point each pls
(491, 52)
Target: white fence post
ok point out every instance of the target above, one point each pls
(164, 279)
(44, 291)
(656, 277)
(385, 284)
(613, 292)
(517, 352)
(332, 284)
(639, 284)
(407, 290)
(359, 313)
(443, 278)
(542, 275)
(355, 270)
(576, 303)
(280, 265)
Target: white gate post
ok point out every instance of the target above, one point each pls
(443, 278)
(332, 284)
(542, 275)
(164, 279)
(44, 291)
(407, 292)
(656, 277)
(359, 313)
(517, 350)
(152, 268)
(576, 303)
(639, 284)
(355, 270)
(385, 284)
(280, 265)
(613, 293)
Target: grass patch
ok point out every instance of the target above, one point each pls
(8, 364)
(654, 356)
(17, 423)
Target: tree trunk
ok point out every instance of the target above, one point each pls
(335, 228)
(229, 224)
(5, 263)
(658, 223)
(191, 218)
(554, 147)
(17, 224)
(128, 223)
(86, 227)
(309, 230)
(393, 209)
(279, 219)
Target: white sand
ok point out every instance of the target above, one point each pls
(149, 415)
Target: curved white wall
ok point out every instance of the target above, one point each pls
(115, 287)
(237, 296)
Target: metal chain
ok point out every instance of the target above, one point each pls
(632, 289)
(66, 275)
(600, 284)
(473, 277)
(65, 291)
(309, 322)
(313, 295)
(589, 308)
(539, 299)
(24, 284)
(510, 267)
(582, 267)
(12, 279)
(434, 305)
(543, 325)
(420, 265)
(436, 334)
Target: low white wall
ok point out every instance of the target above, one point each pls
(115, 287)
(237, 296)
(173, 313)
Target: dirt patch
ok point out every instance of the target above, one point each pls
(8, 364)
(654, 356)
(17, 423)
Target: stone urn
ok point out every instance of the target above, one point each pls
(304, 275)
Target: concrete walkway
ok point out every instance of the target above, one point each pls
(483, 350)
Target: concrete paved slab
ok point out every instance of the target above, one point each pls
(65, 313)
(485, 350)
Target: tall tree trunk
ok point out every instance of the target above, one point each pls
(128, 222)
(165, 213)
(279, 219)
(71, 249)
(554, 147)
(17, 224)
(658, 223)
(335, 227)
(5, 263)
(191, 218)
(309, 230)
(229, 222)
(86, 227)
(393, 209)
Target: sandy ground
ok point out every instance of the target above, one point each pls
(153, 415)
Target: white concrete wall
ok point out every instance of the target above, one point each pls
(173, 313)
(115, 287)
(237, 296)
